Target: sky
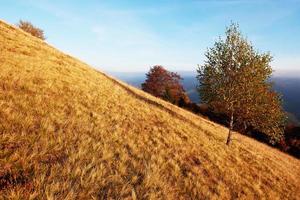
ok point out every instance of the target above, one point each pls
(131, 36)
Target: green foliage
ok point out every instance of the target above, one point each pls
(29, 28)
(235, 80)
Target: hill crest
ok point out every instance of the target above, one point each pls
(70, 131)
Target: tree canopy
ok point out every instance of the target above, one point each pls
(235, 80)
(165, 84)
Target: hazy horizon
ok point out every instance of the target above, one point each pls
(277, 73)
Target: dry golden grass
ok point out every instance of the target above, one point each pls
(68, 131)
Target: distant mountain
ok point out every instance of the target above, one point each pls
(285, 84)
(289, 87)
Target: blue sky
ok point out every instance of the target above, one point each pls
(134, 35)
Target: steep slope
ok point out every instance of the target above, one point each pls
(68, 131)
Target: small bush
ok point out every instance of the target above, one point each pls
(29, 28)
(166, 85)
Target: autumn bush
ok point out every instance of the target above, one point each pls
(33, 30)
(166, 85)
(291, 142)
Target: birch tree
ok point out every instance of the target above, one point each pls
(235, 80)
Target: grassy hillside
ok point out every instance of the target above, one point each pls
(68, 131)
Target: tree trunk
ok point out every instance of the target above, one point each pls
(230, 130)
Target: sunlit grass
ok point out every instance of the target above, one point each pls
(68, 131)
